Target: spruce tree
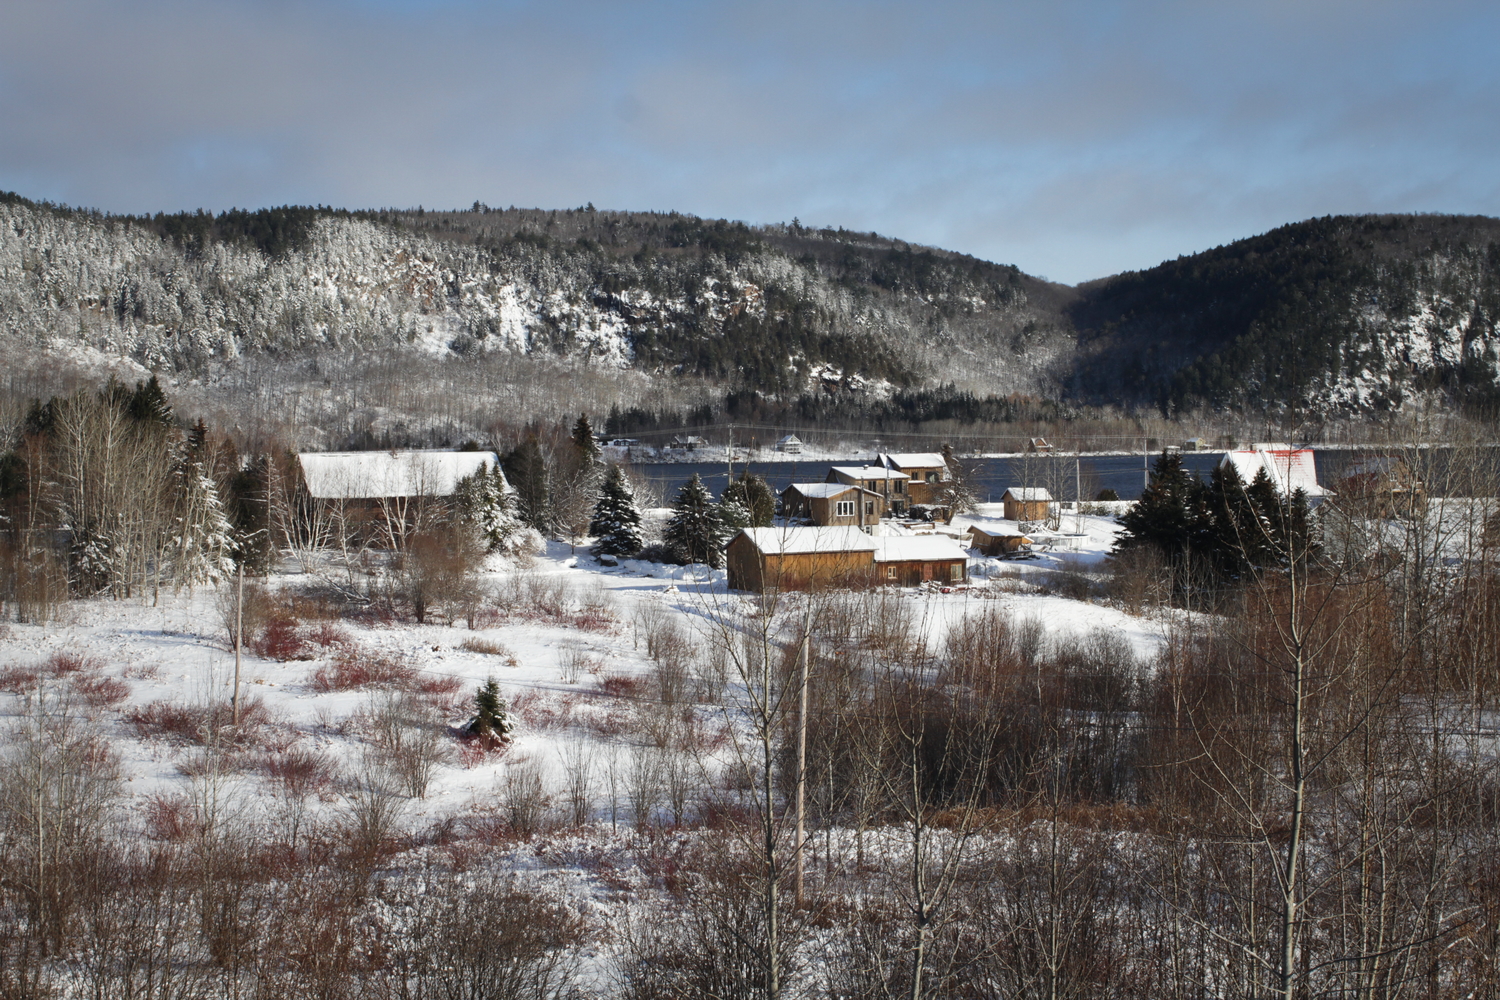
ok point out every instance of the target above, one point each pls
(526, 470)
(752, 493)
(696, 532)
(583, 438)
(149, 404)
(617, 519)
(490, 721)
(1171, 513)
(486, 505)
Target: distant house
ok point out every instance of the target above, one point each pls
(385, 494)
(1027, 503)
(761, 559)
(829, 504)
(889, 483)
(1382, 486)
(926, 471)
(789, 445)
(1195, 444)
(1038, 446)
(1289, 469)
(998, 541)
(688, 442)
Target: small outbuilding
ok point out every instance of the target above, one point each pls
(1039, 446)
(998, 541)
(910, 560)
(1027, 503)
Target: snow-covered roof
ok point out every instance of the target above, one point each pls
(367, 475)
(789, 439)
(826, 490)
(869, 472)
(916, 460)
(995, 531)
(1290, 468)
(1028, 494)
(788, 541)
(917, 548)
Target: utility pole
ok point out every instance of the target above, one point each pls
(802, 748)
(239, 628)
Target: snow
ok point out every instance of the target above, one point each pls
(1029, 494)
(1289, 468)
(825, 490)
(917, 548)
(350, 475)
(804, 540)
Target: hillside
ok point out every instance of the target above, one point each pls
(520, 309)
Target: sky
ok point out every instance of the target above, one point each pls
(1072, 139)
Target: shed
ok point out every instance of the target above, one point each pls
(993, 541)
(833, 504)
(760, 559)
(1027, 503)
(790, 445)
(909, 560)
(1038, 445)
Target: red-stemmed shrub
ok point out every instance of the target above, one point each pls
(355, 667)
(101, 692)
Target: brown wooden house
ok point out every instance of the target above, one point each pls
(381, 497)
(1027, 503)
(993, 541)
(926, 472)
(889, 483)
(828, 504)
(910, 560)
(1382, 486)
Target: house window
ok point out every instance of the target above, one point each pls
(900, 486)
(870, 507)
(956, 572)
(932, 477)
(843, 508)
(890, 572)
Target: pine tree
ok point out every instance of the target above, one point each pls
(526, 470)
(1171, 513)
(490, 721)
(754, 495)
(583, 438)
(617, 519)
(696, 532)
(149, 404)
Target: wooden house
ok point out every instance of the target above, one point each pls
(910, 560)
(828, 504)
(993, 541)
(1027, 503)
(1289, 469)
(889, 483)
(384, 495)
(762, 559)
(1382, 486)
(688, 442)
(926, 472)
(1038, 446)
(789, 445)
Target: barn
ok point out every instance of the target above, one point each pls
(1027, 503)
(383, 495)
(827, 504)
(761, 559)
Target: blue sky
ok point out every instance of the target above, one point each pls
(1074, 140)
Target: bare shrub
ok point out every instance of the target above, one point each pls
(438, 571)
(34, 578)
(578, 788)
(408, 739)
(372, 811)
(1139, 579)
(488, 647)
(356, 667)
(197, 724)
(523, 797)
(710, 674)
(258, 607)
(574, 660)
(643, 778)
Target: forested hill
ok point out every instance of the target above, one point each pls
(1343, 314)
(778, 309)
(1348, 313)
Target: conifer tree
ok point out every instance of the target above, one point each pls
(583, 438)
(696, 532)
(490, 721)
(486, 504)
(617, 519)
(753, 494)
(148, 404)
(526, 470)
(1170, 514)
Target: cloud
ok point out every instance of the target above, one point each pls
(1073, 139)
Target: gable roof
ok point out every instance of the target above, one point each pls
(995, 531)
(789, 541)
(826, 490)
(915, 460)
(868, 472)
(1289, 468)
(1028, 494)
(918, 548)
(370, 475)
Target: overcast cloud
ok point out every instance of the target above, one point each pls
(1071, 139)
